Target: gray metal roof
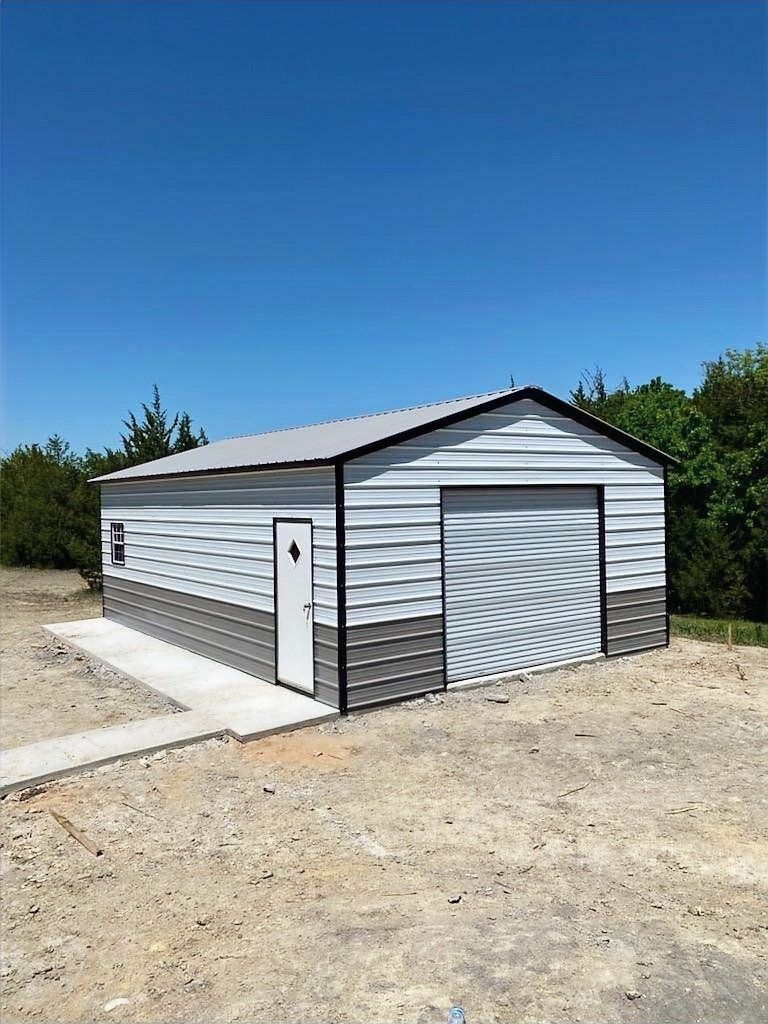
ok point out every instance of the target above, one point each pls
(324, 443)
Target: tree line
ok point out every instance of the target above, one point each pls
(718, 497)
(51, 514)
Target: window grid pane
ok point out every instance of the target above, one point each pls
(117, 533)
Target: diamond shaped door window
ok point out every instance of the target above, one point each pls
(294, 551)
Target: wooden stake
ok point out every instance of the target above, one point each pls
(730, 636)
(76, 834)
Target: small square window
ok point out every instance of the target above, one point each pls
(117, 534)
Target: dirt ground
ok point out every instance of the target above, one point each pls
(46, 689)
(592, 850)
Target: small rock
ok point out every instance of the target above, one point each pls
(533, 750)
(114, 1003)
(202, 921)
(34, 909)
(633, 994)
(498, 698)
(455, 899)
(270, 788)
(267, 874)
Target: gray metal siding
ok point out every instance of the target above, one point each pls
(392, 499)
(393, 503)
(389, 660)
(243, 638)
(212, 536)
(326, 664)
(637, 619)
(199, 564)
(522, 578)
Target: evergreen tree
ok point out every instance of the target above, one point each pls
(51, 513)
(186, 438)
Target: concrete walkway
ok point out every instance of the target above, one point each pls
(216, 700)
(50, 759)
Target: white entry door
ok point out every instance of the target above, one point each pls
(293, 595)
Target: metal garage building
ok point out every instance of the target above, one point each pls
(381, 557)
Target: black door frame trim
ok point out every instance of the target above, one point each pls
(295, 519)
(600, 493)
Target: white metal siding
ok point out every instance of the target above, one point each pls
(211, 536)
(393, 503)
(522, 578)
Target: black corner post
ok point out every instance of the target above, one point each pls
(341, 585)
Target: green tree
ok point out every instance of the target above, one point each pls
(51, 513)
(733, 398)
(718, 497)
(155, 436)
(37, 484)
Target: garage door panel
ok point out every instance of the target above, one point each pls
(501, 568)
(477, 624)
(522, 577)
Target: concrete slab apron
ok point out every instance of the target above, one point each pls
(216, 700)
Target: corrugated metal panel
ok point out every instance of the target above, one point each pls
(522, 578)
(394, 659)
(243, 638)
(393, 496)
(636, 620)
(212, 536)
(324, 442)
(326, 664)
(316, 442)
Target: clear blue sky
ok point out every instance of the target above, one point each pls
(290, 212)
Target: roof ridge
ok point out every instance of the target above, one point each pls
(369, 415)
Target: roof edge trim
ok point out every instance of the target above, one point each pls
(535, 394)
(530, 391)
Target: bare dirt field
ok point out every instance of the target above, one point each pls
(46, 689)
(592, 850)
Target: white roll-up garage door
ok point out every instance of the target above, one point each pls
(522, 577)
